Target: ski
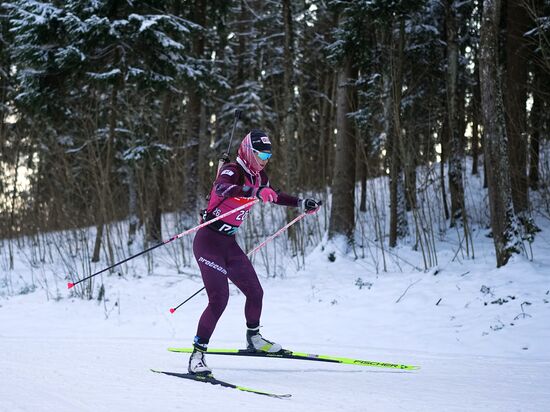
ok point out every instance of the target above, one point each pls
(210, 379)
(288, 354)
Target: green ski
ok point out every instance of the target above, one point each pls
(210, 379)
(288, 354)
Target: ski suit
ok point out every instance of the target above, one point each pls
(216, 250)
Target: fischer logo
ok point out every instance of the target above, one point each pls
(228, 173)
(381, 364)
(212, 265)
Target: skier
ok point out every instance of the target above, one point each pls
(219, 256)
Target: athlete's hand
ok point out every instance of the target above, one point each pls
(310, 206)
(266, 194)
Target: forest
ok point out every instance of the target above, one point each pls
(114, 113)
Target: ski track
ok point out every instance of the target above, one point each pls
(480, 335)
(77, 374)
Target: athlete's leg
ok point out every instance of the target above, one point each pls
(243, 275)
(209, 254)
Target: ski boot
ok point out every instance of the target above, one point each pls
(256, 343)
(197, 364)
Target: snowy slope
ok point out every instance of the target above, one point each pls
(68, 355)
(481, 335)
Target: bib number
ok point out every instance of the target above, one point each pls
(242, 215)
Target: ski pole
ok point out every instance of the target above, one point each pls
(225, 156)
(270, 238)
(194, 229)
(277, 233)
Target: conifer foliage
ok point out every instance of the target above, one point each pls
(117, 110)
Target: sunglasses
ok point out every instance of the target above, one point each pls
(262, 155)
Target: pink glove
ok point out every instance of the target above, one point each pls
(266, 194)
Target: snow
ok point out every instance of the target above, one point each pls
(480, 334)
(105, 75)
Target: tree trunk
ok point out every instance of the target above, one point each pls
(241, 50)
(443, 141)
(410, 186)
(475, 118)
(12, 226)
(411, 142)
(361, 158)
(456, 185)
(504, 222)
(132, 204)
(325, 127)
(156, 190)
(104, 174)
(342, 217)
(153, 221)
(193, 118)
(517, 55)
(4, 85)
(398, 215)
(191, 156)
(288, 110)
(536, 128)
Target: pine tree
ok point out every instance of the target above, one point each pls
(87, 66)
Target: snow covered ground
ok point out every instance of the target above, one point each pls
(477, 348)
(481, 336)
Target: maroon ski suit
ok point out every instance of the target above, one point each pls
(217, 253)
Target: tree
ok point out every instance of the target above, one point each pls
(342, 216)
(393, 86)
(90, 69)
(538, 37)
(504, 223)
(456, 185)
(517, 56)
(289, 106)
(194, 112)
(4, 77)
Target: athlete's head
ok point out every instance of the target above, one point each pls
(255, 150)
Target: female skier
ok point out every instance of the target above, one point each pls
(216, 250)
